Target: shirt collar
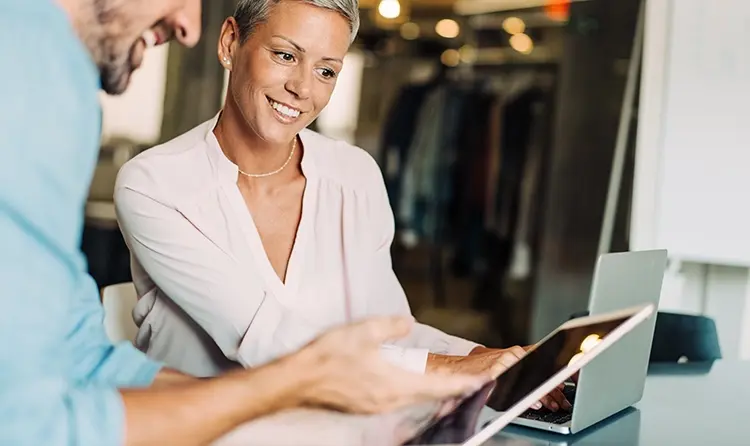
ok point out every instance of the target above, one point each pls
(226, 170)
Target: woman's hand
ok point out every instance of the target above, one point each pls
(496, 361)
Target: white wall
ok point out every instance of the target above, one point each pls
(339, 119)
(137, 113)
(718, 291)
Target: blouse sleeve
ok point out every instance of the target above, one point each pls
(244, 322)
(388, 296)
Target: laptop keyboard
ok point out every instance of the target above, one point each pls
(547, 416)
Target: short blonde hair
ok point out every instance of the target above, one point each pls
(251, 13)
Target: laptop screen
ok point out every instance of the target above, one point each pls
(540, 364)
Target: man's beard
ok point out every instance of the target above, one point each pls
(113, 61)
(115, 72)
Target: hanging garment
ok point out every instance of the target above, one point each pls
(470, 175)
(517, 122)
(501, 213)
(426, 187)
(521, 263)
(398, 133)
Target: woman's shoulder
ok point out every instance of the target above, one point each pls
(341, 162)
(175, 164)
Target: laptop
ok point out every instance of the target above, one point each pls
(621, 280)
(548, 364)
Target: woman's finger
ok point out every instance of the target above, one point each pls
(550, 403)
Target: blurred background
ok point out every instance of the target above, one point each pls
(518, 139)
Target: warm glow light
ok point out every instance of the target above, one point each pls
(389, 9)
(557, 10)
(447, 28)
(522, 43)
(514, 25)
(575, 358)
(410, 31)
(450, 58)
(590, 342)
(468, 54)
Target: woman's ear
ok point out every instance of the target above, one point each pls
(229, 41)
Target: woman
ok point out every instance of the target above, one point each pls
(251, 234)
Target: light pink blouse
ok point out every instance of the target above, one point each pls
(208, 295)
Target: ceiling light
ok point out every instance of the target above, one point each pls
(468, 54)
(514, 25)
(522, 43)
(410, 31)
(447, 28)
(450, 58)
(389, 9)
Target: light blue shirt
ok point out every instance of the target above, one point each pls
(58, 371)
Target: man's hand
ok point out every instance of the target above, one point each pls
(349, 374)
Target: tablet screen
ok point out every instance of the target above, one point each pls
(533, 370)
(544, 361)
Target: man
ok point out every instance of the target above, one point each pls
(61, 381)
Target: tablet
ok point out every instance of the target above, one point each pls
(548, 364)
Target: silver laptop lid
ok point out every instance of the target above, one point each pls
(621, 280)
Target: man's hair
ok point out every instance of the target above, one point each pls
(251, 13)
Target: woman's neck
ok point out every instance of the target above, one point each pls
(250, 153)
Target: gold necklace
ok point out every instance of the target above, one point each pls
(268, 174)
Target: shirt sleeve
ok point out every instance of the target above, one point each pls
(58, 372)
(93, 357)
(57, 385)
(214, 290)
(389, 298)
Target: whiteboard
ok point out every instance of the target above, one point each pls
(692, 174)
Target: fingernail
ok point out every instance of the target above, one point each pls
(537, 406)
(567, 405)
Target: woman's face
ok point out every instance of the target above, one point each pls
(284, 74)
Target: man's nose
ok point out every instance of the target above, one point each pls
(186, 23)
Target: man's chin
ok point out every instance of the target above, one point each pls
(115, 84)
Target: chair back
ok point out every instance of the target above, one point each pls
(684, 338)
(119, 301)
(680, 338)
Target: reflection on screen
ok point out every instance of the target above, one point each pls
(540, 364)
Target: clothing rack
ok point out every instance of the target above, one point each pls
(498, 79)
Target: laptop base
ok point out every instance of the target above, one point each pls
(563, 429)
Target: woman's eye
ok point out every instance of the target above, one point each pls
(286, 57)
(327, 73)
